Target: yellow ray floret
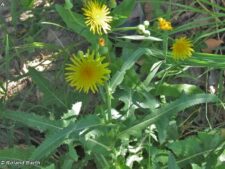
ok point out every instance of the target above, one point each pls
(164, 24)
(86, 72)
(97, 17)
(182, 49)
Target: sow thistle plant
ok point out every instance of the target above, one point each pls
(134, 119)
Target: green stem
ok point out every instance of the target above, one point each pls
(108, 100)
(125, 28)
(165, 44)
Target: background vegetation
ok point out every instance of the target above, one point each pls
(153, 112)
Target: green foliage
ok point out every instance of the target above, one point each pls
(118, 77)
(175, 90)
(60, 136)
(195, 149)
(32, 120)
(26, 4)
(16, 153)
(168, 110)
(75, 22)
(46, 87)
(172, 162)
(123, 11)
(143, 117)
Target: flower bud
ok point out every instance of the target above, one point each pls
(147, 33)
(146, 24)
(101, 42)
(80, 53)
(112, 3)
(141, 29)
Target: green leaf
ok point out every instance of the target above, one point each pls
(68, 4)
(26, 4)
(123, 11)
(141, 37)
(117, 79)
(76, 22)
(45, 86)
(154, 69)
(72, 153)
(175, 90)
(162, 126)
(172, 162)
(59, 137)
(202, 60)
(51, 166)
(128, 63)
(67, 161)
(16, 153)
(31, 120)
(168, 110)
(195, 148)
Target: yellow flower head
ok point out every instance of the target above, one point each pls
(182, 49)
(164, 24)
(86, 72)
(97, 17)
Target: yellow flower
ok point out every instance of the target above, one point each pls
(164, 24)
(97, 17)
(101, 42)
(86, 72)
(182, 49)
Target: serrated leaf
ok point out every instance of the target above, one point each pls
(31, 120)
(168, 110)
(195, 148)
(175, 90)
(58, 138)
(45, 86)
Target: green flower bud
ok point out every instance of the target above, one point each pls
(147, 33)
(141, 29)
(112, 3)
(80, 53)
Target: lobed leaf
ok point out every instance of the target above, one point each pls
(31, 120)
(59, 137)
(168, 110)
